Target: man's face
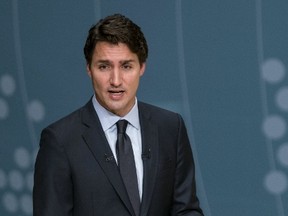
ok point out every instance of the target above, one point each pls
(115, 72)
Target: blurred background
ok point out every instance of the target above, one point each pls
(221, 64)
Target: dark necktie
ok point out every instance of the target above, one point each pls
(126, 164)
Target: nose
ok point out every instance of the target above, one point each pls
(116, 78)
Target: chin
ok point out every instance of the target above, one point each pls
(115, 110)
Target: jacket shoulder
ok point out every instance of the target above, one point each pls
(71, 120)
(158, 114)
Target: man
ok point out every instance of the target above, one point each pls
(78, 170)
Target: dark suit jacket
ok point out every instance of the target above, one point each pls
(76, 175)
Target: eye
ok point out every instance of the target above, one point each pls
(104, 67)
(127, 66)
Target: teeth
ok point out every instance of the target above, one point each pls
(116, 92)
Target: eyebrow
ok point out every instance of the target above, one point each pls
(127, 61)
(102, 61)
(121, 62)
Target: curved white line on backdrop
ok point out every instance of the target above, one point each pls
(20, 71)
(263, 90)
(263, 93)
(186, 104)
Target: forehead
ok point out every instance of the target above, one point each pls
(113, 52)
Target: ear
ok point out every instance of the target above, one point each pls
(88, 70)
(142, 69)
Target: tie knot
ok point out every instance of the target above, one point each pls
(121, 126)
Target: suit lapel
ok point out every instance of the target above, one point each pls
(150, 149)
(95, 138)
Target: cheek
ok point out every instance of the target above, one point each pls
(134, 85)
(136, 81)
(98, 84)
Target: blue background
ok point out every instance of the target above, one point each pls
(221, 64)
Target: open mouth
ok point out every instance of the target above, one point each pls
(116, 94)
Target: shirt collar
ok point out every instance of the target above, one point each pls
(109, 119)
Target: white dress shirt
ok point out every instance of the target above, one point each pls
(108, 121)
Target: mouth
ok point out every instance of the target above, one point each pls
(115, 91)
(116, 94)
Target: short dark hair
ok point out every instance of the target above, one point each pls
(116, 29)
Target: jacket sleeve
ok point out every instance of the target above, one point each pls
(52, 192)
(185, 198)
